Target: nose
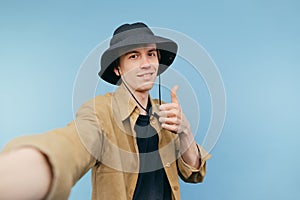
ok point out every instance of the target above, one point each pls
(145, 63)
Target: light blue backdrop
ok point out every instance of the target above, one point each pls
(255, 45)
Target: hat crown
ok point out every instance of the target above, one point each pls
(126, 30)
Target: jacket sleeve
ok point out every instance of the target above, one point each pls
(66, 150)
(190, 174)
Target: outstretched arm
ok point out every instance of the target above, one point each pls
(25, 174)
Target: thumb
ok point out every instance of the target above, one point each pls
(174, 98)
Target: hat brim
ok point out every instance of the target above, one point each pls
(166, 47)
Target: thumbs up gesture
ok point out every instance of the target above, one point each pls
(171, 116)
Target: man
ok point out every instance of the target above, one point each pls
(136, 146)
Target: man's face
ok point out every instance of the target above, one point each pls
(139, 68)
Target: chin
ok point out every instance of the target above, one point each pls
(145, 87)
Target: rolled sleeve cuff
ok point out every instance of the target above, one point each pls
(191, 174)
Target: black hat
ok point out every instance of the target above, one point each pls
(129, 36)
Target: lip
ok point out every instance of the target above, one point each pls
(145, 74)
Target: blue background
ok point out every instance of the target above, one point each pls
(255, 45)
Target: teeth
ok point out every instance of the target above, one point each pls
(148, 74)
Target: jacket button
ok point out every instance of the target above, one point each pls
(167, 164)
(152, 120)
(176, 188)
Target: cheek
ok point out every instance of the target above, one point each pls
(155, 64)
(129, 73)
(131, 70)
(128, 68)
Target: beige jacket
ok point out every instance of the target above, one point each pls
(102, 138)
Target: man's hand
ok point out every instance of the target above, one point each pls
(171, 116)
(25, 174)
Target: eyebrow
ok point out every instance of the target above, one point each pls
(135, 51)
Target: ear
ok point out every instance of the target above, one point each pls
(117, 70)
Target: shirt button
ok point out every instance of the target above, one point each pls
(167, 164)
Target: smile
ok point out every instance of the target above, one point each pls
(145, 75)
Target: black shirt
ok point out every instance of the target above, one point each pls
(152, 183)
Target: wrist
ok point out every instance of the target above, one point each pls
(185, 132)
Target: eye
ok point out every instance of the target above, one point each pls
(133, 56)
(152, 54)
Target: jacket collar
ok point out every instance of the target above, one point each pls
(124, 105)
